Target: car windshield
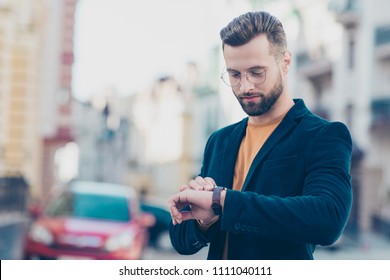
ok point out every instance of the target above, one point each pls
(93, 206)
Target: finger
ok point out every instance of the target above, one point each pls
(176, 203)
(207, 183)
(194, 184)
(173, 220)
(175, 215)
(187, 216)
(184, 187)
(174, 207)
(201, 181)
(171, 203)
(179, 199)
(210, 181)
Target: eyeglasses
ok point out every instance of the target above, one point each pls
(233, 78)
(255, 75)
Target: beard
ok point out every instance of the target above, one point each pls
(267, 101)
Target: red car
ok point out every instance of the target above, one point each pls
(90, 220)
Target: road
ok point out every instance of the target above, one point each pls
(369, 247)
(153, 254)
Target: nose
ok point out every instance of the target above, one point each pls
(246, 85)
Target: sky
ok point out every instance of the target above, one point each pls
(127, 44)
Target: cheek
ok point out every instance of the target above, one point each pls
(275, 79)
(236, 92)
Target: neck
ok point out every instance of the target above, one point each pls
(281, 107)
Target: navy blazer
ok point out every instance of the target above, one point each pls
(297, 193)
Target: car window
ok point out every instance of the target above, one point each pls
(91, 206)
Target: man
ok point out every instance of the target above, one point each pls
(283, 172)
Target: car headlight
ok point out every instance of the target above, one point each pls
(119, 241)
(41, 234)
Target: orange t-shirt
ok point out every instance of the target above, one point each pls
(254, 139)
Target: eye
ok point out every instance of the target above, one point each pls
(257, 72)
(234, 74)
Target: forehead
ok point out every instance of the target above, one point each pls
(256, 52)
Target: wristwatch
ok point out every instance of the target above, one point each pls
(216, 201)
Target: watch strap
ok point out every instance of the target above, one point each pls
(216, 200)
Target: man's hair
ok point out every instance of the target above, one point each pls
(244, 28)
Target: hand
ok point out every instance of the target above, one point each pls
(200, 184)
(199, 203)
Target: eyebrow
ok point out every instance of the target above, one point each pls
(258, 67)
(250, 68)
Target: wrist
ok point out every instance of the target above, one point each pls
(207, 223)
(223, 197)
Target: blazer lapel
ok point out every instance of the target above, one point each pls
(287, 124)
(230, 153)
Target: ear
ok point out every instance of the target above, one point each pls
(286, 61)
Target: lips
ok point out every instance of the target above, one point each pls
(250, 98)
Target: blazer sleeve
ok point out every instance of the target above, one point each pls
(187, 238)
(319, 215)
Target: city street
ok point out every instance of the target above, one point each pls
(370, 247)
(102, 121)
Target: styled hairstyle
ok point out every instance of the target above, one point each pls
(244, 28)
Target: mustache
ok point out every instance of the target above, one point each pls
(251, 94)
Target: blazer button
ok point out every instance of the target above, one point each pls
(197, 244)
(237, 226)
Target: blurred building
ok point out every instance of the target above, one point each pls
(171, 122)
(56, 101)
(162, 115)
(21, 37)
(341, 68)
(102, 139)
(36, 57)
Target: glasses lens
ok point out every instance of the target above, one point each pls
(256, 78)
(230, 79)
